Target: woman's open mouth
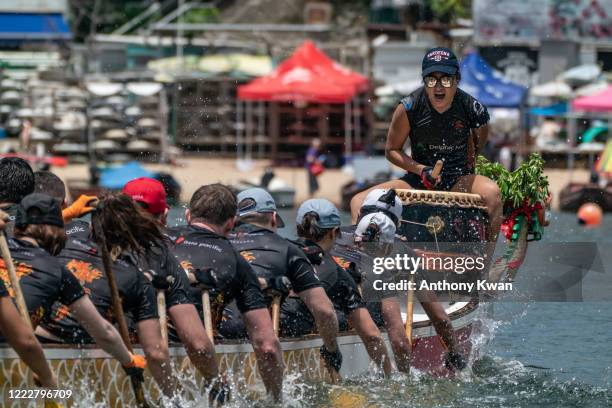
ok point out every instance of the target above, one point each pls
(439, 95)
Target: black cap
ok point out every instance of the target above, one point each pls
(38, 209)
(440, 59)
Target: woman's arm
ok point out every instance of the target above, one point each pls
(103, 333)
(158, 357)
(396, 137)
(19, 336)
(372, 339)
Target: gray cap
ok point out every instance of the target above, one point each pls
(263, 203)
(329, 216)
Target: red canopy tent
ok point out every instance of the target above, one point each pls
(600, 102)
(307, 76)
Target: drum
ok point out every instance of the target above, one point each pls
(442, 216)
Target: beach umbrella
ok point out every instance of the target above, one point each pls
(553, 89)
(581, 75)
(591, 89)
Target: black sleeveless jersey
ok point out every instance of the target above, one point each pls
(443, 136)
(271, 255)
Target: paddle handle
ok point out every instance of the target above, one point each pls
(437, 169)
(207, 315)
(276, 314)
(8, 261)
(163, 317)
(118, 307)
(410, 311)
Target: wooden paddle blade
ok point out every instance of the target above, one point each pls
(207, 315)
(276, 314)
(8, 261)
(410, 311)
(163, 317)
(139, 392)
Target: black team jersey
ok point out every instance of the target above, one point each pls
(199, 248)
(444, 136)
(270, 255)
(339, 286)
(78, 229)
(159, 261)
(43, 279)
(82, 259)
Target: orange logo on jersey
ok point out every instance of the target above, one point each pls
(248, 256)
(188, 266)
(21, 269)
(61, 312)
(343, 263)
(83, 271)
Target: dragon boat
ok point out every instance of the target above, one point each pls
(432, 217)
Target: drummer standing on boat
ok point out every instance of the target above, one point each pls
(443, 123)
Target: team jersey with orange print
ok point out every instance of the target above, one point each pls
(199, 248)
(270, 255)
(83, 261)
(42, 278)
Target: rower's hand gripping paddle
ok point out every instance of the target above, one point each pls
(430, 176)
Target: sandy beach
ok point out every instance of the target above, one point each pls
(192, 172)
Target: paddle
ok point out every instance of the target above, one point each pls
(163, 317)
(276, 301)
(207, 315)
(118, 308)
(8, 261)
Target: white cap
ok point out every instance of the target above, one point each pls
(385, 226)
(373, 200)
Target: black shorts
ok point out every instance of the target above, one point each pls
(415, 182)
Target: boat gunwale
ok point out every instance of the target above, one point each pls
(91, 351)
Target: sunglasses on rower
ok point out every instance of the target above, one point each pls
(431, 81)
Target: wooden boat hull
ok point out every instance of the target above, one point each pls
(96, 377)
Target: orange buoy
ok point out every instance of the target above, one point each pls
(590, 214)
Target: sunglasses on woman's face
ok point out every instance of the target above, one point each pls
(432, 81)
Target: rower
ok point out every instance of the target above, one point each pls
(118, 215)
(318, 226)
(379, 218)
(16, 182)
(19, 335)
(276, 260)
(38, 236)
(46, 182)
(205, 252)
(159, 265)
(443, 123)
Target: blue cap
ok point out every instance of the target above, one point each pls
(440, 59)
(263, 203)
(329, 216)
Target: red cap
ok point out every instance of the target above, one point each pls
(148, 191)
